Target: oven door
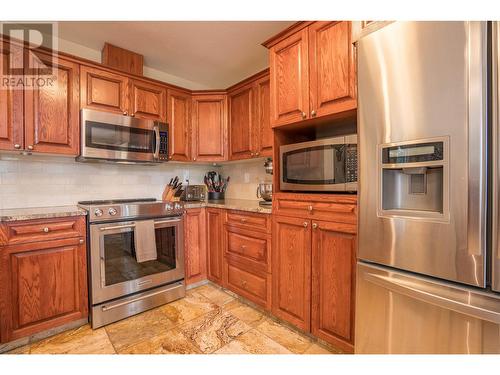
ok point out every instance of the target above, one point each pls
(110, 136)
(115, 271)
(315, 166)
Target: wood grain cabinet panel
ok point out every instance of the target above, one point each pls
(249, 283)
(209, 127)
(289, 67)
(333, 282)
(215, 244)
(147, 100)
(241, 123)
(11, 102)
(195, 250)
(43, 284)
(291, 270)
(52, 118)
(263, 130)
(332, 74)
(103, 90)
(179, 121)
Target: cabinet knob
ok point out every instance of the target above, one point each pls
(30, 147)
(303, 115)
(243, 247)
(313, 113)
(243, 220)
(81, 241)
(243, 283)
(46, 230)
(17, 146)
(314, 225)
(257, 153)
(132, 114)
(252, 154)
(125, 113)
(310, 208)
(194, 159)
(305, 224)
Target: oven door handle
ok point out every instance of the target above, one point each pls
(114, 227)
(168, 221)
(156, 128)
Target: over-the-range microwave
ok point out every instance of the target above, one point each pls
(329, 164)
(118, 138)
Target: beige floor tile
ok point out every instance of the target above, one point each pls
(253, 342)
(171, 342)
(138, 328)
(82, 340)
(318, 349)
(213, 330)
(214, 294)
(284, 336)
(248, 314)
(188, 308)
(25, 349)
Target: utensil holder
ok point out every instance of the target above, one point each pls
(215, 196)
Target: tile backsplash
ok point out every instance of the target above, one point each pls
(38, 181)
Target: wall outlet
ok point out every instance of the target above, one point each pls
(185, 175)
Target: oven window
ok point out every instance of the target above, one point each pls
(119, 256)
(320, 165)
(118, 138)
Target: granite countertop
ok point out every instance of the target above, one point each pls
(232, 204)
(14, 214)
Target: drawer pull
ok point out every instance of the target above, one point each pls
(81, 241)
(46, 230)
(310, 208)
(314, 225)
(243, 220)
(243, 283)
(305, 224)
(243, 247)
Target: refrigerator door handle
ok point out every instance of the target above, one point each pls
(413, 291)
(495, 154)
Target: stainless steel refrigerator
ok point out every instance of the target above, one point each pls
(428, 272)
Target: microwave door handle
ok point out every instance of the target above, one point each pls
(156, 129)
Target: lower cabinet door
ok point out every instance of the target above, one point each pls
(195, 250)
(291, 270)
(333, 281)
(43, 285)
(215, 244)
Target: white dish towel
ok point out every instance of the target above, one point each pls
(145, 242)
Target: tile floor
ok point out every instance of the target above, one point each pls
(207, 320)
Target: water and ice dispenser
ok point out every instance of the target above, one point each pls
(414, 179)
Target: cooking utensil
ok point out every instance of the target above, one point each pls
(265, 191)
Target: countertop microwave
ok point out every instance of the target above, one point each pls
(328, 165)
(118, 138)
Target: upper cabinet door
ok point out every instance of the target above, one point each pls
(103, 90)
(263, 130)
(147, 100)
(332, 74)
(289, 79)
(179, 121)
(52, 121)
(209, 127)
(11, 102)
(241, 123)
(333, 280)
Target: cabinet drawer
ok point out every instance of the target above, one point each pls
(343, 210)
(248, 220)
(254, 286)
(41, 230)
(248, 247)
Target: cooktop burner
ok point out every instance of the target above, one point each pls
(115, 201)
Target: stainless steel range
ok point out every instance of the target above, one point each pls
(136, 254)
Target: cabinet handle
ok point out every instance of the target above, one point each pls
(125, 113)
(194, 159)
(314, 225)
(243, 283)
(310, 208)
(46, 230)
(305, 224)
(30, 147)
(303, 115)
(252, 154)
(257, 153)
(243, 247)
(81, 241)
(17, 146)
(313, 113)
(132, 114)
(243, 220)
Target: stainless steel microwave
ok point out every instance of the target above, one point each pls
(119, 138)
(329, 164)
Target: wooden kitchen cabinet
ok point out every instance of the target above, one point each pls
(103, 90)
(147, 100)
(179, 122)
(215, 244)
(209, 127)
(264, 132)
(333, 283)
(43, 283)
(291, 270)
(312, 72)
(195, 250)
(11, 102)
(241, 104)
(52, 112)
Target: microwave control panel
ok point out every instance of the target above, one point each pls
(163, 154)
(351, 163)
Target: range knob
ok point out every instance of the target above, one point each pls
(168, 206)
(112, 211)
(177, 206)
(98, 212)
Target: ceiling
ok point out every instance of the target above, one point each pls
(212, 54)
